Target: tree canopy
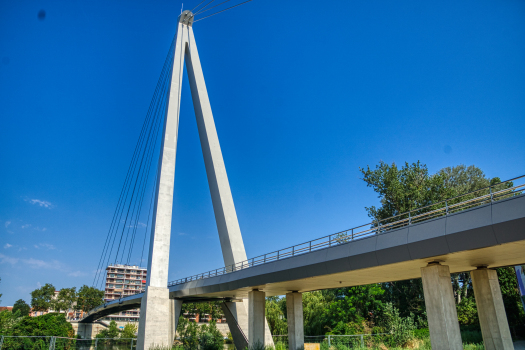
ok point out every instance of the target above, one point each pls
(41, 298)
(21, 307)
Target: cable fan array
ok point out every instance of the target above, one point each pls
(121, 238)
(204, 9)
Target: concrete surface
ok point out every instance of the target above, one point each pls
(256, 317)
(294, 313)
(441, 308)
(154, 321)
(491, 311)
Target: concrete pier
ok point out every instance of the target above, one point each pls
(294, 311)
(491, 311)
(256, 317)
(175, 311)
(441, 308)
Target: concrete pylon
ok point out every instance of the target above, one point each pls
(294, 311)
(443, 322)
(491, 311)
(156, 321)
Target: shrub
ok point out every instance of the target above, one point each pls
(211, 338)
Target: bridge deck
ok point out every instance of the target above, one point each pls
(492, 234)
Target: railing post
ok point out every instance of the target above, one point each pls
(330, 240)
(253, 261)
(329, 341)
(352, 234)
(293, 250)
(409, 218)
(96, 342)
(131, 346)
(310, 245)
(265, 258)
(277, 255)
(446, 206)
(491, 194)
(362, 341)
(1, 342)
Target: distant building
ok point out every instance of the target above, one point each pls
(122, 281)
(8, 308)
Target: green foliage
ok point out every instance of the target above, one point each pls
(471, 337)
(8, 320)
(401, 329)
(129, 331)
(88, 298)
(212, 308)
(21, 307)
(111, 332)
(511, 297)
(467, 312)
(65, 299)
(314, 306)
(275, 315)
(52, 324)
(41, 297)
(210, 337)
(189, 336)
(403, 189)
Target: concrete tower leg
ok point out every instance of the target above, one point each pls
(294, 310)
(230, 236)
(235, 317)
(256, 317)
(492, 316)
(155, 327)
(441, 308)
(175, 311)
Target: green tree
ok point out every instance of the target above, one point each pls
(41, 298)
(314, 306)
(129, 331)
(189, 336)
(52, 324)
(65, 300)
(210, 338)
(110, 332)
(89, 298)
(212, 308)
(511, 297)
(21, 307)
(8, 320)
(275, 315)
(403, 189)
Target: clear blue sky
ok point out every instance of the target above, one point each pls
(303, 94)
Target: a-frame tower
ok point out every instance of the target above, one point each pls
(159, 314)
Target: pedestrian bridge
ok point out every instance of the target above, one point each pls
(463, 233)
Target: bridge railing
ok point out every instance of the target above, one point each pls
(449, 206)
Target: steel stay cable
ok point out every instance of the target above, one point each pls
(146, 122)
(141, 174)
(165, 78)
(200, 12)
(144, 180)
(132, 196)
(202, 8)
(151, 150)
(119, 203)
(229, 8)
(149, 215)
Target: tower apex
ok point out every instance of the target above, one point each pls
(186, 17)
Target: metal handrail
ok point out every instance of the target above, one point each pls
(444, 208)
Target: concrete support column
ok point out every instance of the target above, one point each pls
(237, 319)
(441, 308)
(256, 317)
(154, 321)
(175, 310)
(491, 312)
(294, 311)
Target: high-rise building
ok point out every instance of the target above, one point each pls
(121, 281)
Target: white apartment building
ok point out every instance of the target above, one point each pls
(121, 281)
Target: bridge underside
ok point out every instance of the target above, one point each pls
(492, 235)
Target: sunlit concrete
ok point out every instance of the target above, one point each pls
(440, 305)
(491, 311)
(256, 317)
(294, 311)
